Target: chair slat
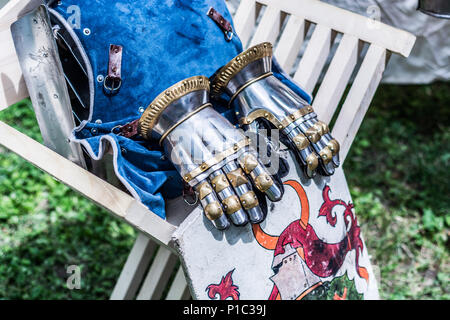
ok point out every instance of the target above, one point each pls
(336, 78)
(347, 22)
(133, 272)
(290, 42)
(269, 26)
(158, 275)
(179, 289)
(245, 19)
(314, 58)
(90, 186)
(359, 98)
(15, 9)
(12, 85)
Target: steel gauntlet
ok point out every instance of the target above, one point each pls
(258, 96)
(210, 154)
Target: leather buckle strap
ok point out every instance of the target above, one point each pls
(223, 23)
(113, 80)
(128, 130)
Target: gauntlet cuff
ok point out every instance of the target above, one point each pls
(173, 106)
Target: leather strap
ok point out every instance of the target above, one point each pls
(113, 80)
(128, 130)
(223, 23)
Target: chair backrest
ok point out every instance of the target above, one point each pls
(288, 24)
(304, 33)
(12, 84)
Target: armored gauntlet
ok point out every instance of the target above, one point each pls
(210, 154)
(259, 97)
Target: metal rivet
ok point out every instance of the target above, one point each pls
(100, 78)
(55, 96)
(141, 109)
(93, 131)
(86, 31)
(98, 121)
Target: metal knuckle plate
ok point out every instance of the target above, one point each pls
(204, 190)
(219, 183)
(237, 177)
(301, 142)
(322, 127)
(249, 200)
(249, 163)
(231, 204)
(312, 161)
(313, 134)
(263, 182)
(213, 211)
(326, 155)
(334, 146)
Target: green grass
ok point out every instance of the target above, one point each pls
(45, 227)
(397, 169)
(398, 172)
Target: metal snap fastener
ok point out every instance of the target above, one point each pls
(87, 31)
(141, 109)
(100, 78)
(98, 121)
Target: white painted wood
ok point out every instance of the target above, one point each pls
(336, 78)
(158, 275)
(245, 19)
(15, 9)
(359, 98)
(133, 272)
(314, 58)
(269, 26)
(101, 192)
(179, 289)
(290, 42)
(347, 22)
(12, 84)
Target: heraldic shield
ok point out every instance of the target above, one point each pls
(310, 247)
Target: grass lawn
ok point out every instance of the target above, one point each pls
(397, 169)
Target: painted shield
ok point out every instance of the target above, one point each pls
(309, 247)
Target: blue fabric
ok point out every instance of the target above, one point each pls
(164, 41)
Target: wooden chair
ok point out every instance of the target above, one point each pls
(323, 47)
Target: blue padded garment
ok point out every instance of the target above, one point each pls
(164, 41)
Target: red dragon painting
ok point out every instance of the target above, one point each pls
(225, 289)
(323, 259)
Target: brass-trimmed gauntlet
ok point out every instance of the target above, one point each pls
(210, 154)
(255, 93)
